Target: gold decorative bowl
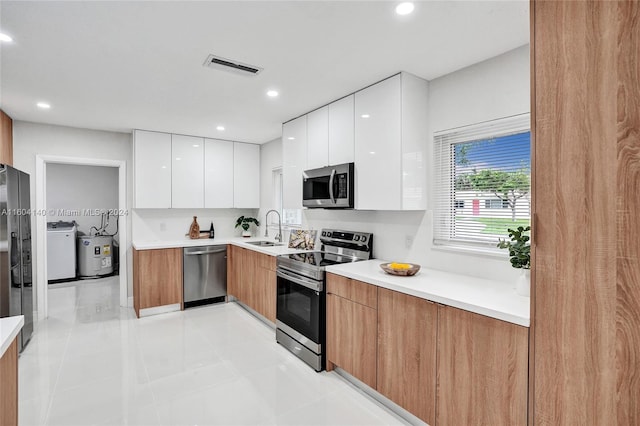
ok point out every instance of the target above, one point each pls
(402, 272)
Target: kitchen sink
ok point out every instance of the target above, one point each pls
(264, 243)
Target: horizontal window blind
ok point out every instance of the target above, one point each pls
(482, 182)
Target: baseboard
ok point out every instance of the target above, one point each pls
(130, 302)
(159, 310)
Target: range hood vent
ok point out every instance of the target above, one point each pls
(225, 64)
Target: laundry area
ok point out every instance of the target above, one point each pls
(82, 222)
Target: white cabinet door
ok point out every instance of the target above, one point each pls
(218, 174)
(152, 169)
(246, 175)
(318, 138)
(415, 134)
(341, 134)
(187, 182)
(294, 159)
(378, 159)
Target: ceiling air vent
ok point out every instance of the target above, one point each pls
(231, 65)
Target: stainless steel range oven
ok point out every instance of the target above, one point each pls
(300, 312)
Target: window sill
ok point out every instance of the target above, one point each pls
(470, 250)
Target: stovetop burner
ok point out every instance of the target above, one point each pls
(337, 247)
(319, 258)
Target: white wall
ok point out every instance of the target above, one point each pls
(491, 89)
(270, 158)
(74, 190)
(32, 139)
(173, 224)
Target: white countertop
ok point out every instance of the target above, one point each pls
(237, 241)
(9, 329)
(485, 297)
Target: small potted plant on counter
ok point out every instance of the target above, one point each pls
(245, 224)
(520, 256)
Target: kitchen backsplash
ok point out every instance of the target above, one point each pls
(173, 224)
(391, 229)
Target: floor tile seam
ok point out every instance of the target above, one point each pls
(57, 379)
(161, 401)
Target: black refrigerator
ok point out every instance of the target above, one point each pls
(16, 283)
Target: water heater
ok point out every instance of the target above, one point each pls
(95, 255)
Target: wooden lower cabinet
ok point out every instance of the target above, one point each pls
(157, 278)
(234, 266)
(407, 350)
(352, 330)
(252, 280)
(9, 385)
(446, 366)
(482, 370)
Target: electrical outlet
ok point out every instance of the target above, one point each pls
(408, 241)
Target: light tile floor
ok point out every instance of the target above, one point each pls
(93, 363)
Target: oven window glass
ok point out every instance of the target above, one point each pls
(298, 305)
(301, 309)
(316, 188)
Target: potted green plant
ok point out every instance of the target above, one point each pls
(245, 223)
(520, 256)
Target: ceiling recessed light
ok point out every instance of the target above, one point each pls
(178, 158)
(4, 37)
(372, 152)
(291, 138)
(272, 93)
(220, 128)
(195, 145)
(43, 105)
(365, 116)
(404, 8)
(164, 167)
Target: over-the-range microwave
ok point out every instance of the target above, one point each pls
(328, 187)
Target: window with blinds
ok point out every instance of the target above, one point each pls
(483, 182)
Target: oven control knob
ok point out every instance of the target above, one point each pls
(328, 234)
(324, 233)
(364, 239)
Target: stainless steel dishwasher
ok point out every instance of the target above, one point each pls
(204, 275)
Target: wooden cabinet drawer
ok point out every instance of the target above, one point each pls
(265, 261)
(357, 291)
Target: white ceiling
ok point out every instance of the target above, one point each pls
(123, 65)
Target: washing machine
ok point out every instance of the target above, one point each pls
(61, 250)
(95, 255)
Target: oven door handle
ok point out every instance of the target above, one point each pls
(313, 285)
(331, 179)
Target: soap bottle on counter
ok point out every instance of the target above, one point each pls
(212, 232)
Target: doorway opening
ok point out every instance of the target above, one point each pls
(83, 205)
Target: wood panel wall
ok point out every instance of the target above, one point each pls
(6, 139)
(628, 215)
(585, 333)
(9, 386)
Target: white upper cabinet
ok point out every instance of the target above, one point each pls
(294, 160)
(152, 169)
(246, 175)
(341, 132)
(330, 134)
(390, 144)
(176, 171)
(377, 153)
(187, 177)
(318, 138)
(218, 174)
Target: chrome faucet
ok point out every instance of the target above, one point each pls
(266, 226)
